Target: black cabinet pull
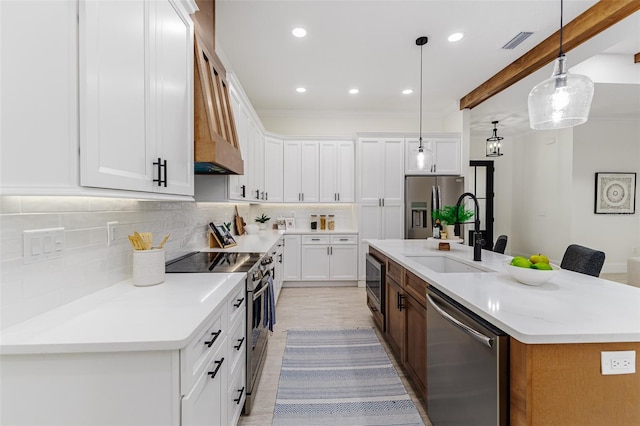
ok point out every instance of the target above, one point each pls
(239, 398)
(161, 165)
(214, 372)
(280, 258)
(215, 337)
(400, 297)
(244, 189)
(237, 305)
(257, 194)
(239, 345)
(266, 196)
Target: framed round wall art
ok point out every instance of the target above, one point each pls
(615, 193)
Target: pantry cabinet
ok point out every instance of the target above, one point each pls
(136, 96)
(301, 171)
(337, 172)
(442, 153)
(380, 171)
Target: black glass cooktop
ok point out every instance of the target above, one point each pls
(200, 262)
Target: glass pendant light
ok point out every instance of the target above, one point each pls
(424, 156)
(494, 142)
(564, 100)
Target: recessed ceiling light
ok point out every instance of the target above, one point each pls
(299, 32)
(353, 91)
(301, 90)
(455, 37)
(407, 91)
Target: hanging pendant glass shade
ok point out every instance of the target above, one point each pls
(564, 100)
(424, 157)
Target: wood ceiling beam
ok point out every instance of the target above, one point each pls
(593, 21)
(636, 58)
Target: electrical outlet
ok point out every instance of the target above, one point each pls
(618, 362)
(112, 233)
(42, 244)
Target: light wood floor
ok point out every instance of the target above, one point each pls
(311, 308)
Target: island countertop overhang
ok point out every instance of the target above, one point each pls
(570, 308)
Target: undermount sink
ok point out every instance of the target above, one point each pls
(443, 264)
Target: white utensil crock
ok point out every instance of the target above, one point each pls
(148, 267)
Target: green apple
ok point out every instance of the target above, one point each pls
(521, 262)
(542, 266)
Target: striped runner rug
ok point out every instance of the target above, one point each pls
(340, 377)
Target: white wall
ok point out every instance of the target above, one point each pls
(544, 186)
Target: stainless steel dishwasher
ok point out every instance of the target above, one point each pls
(467, 366)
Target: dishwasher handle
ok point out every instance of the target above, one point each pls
(473, 333)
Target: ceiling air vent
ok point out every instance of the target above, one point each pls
(519, 38)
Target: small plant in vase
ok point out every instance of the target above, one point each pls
(262, 220)
(448, 215)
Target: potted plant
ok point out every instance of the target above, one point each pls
(449, 214)
(263, 220)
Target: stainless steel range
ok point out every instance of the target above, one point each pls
(258, 266)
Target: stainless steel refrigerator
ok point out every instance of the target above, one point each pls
(423, 194)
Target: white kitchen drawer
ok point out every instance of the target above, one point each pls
(237, 304)
(316, 239)
(344, 239)
(196, 355)
(236, 395)
(237, 342)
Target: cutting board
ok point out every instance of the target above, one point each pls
(240, 223)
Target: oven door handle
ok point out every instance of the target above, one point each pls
(262, 290)
(473, 333)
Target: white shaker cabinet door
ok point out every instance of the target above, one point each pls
(115, 146)
(291, 258)
(273, 169)
(172, 78)
(344, 262)
(310, 171)
(292, 192)
(392, 168)
(315, 262)
(328, 155)
(447, 156)
(238, 184)
(345, 180)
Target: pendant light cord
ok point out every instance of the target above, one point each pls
(421, 95)
(561, 14)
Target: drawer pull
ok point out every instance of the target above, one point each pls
(239, 398)
(239, 345)
(214, 372)
(215, 337)
(237, 305)
(344, 239)
(315, 239)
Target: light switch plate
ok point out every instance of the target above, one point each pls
(618, 362)
(43, 244)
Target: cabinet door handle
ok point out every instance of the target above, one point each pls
(239, 345)
(303, 196)
(338, 196)
(161, 165)
(244, 188)
(215, 337)
(315, 239)
(239, 398)
(327, 251)
(383, 202)
(257, 194)
(299, 196)
(214, 372)
(280, 258)
(237, 305)
(266, 195)
(400, 305)
(331, 250)
(344, 239)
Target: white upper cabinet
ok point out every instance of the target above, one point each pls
(444, 152)
(136, 96)
(238, 184)
(39, 100)
(273, 169)
(337, 171)
(381, 170)
(301, 171)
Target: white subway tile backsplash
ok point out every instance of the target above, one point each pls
(88, 264)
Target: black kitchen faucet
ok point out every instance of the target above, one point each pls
(478, 242)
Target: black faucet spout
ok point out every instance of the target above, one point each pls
(478, 242)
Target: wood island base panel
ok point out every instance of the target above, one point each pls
(563, 385)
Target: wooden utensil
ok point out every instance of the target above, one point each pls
(239, 222)
(134, 242)
(164, 240)
(139, 240)
(147, 240)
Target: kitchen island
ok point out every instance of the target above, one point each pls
(557, 332)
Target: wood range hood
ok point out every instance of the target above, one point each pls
(216, 149)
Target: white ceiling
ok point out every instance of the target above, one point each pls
(370, 45)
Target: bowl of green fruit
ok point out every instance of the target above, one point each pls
(536, 270)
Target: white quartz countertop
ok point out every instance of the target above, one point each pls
(321, 232)
(123, 317)
(570, 308)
